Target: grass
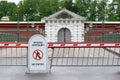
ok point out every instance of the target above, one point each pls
(114, 37)
(5, 37)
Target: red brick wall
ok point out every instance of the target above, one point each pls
(99, 29)
(24, 29)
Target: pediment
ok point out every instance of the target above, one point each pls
(64, 14)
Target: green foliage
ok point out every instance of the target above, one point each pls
(48, 7)
(34, 10)
(6, 8)
(29, 9)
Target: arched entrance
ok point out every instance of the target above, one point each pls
(64, 35)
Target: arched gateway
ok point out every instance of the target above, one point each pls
(64, 35)
(64, 26)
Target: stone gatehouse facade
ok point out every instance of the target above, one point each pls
(64, 26)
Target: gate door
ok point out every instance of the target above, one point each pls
(64, 35)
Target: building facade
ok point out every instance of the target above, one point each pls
(62, 26)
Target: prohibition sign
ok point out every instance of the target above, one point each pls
(37, 54)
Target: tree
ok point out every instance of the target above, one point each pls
(85, 8)
(6, 8)
(29, 9)
(34, 10)
(48, 7)
(115, 16)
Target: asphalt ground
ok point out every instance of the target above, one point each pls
(61, 73)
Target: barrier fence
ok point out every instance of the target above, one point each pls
(13, 54)
(64, 54)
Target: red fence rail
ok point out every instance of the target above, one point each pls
(63, 45)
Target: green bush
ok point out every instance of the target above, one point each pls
(114, 37)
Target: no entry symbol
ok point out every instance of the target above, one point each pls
(37, 54)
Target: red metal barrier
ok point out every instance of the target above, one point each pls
(64, 54)
(82, 45)
(63, 45)
(13, 45)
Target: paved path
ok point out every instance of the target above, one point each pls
(62, 73)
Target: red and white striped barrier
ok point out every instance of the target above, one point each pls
(13, 45)
(61, 45)
(83, 45)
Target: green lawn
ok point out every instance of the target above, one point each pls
(115, 37)
(11, 38)
(14, 37)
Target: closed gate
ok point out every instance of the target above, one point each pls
(64, 35)
(85, 54)
(64, 54)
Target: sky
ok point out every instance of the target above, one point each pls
(17, 1)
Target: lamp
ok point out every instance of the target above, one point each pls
(91, 25)
(115, 5)
(33, 25)
(37, 28)
(24, 18)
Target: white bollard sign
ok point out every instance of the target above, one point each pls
(37, 54)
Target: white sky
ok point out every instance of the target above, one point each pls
(17, 1)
